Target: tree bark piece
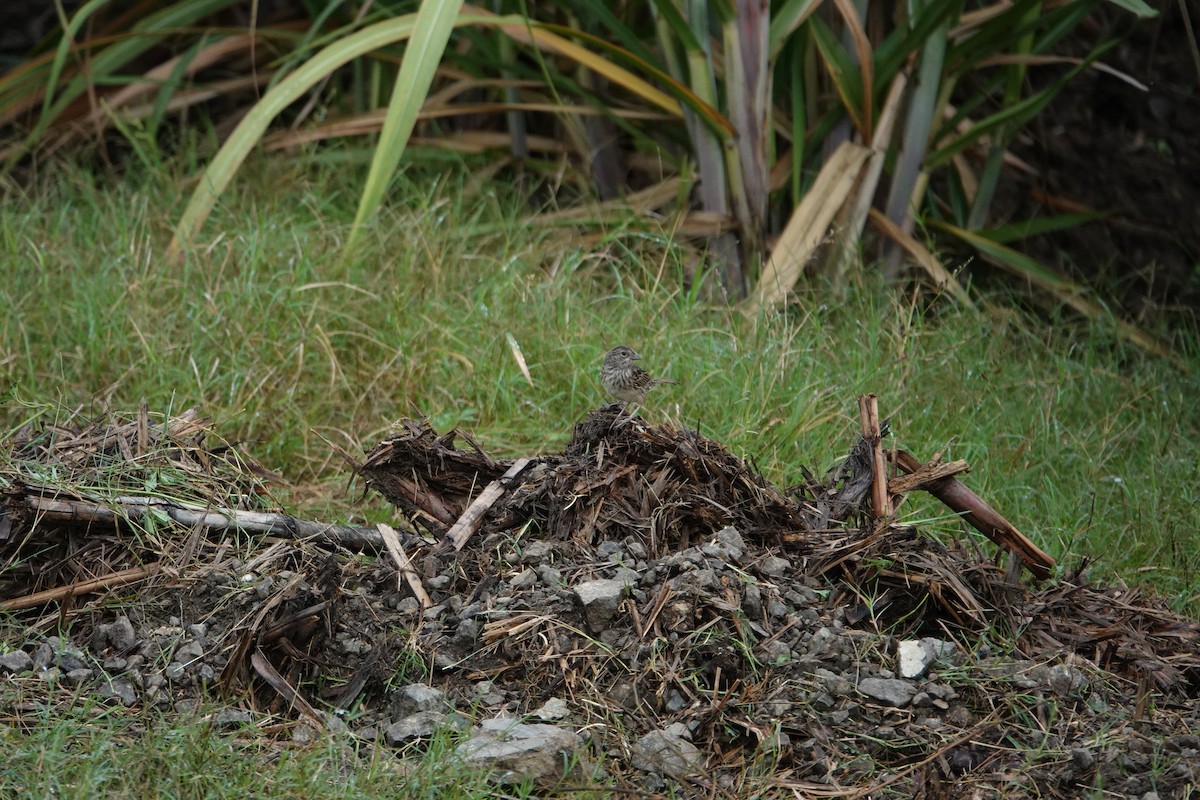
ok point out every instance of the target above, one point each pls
(127, 509)
(981, 516)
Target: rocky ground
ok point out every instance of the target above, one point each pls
(642, 608)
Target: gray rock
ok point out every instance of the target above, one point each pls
(731, 538)
(467, 633)
(601, 599)
(514, 751)
(914, 658)
(43, 657)
(549, 575)
(752, 601)
(893, 691)
(414, 726)
(16, 662)
(552, 709)
(417, 697)
(303, 735)
(119, 689)
(667, 751)
(231, 718)
(1082, 759)
(199, 631)
(192, 651)
(121, 636)
(1064, 680)
(774, 566)
(536, 552)
(525, 579)
(78, 677)
(175, 671)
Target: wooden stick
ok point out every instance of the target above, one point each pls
(126, 509)
(266, 670)
(881, 502)
(472, 518)
(405, 571)
(110, 581)
(981, 516)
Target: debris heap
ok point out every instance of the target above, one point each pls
(644, 602)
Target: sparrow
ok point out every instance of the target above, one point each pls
(624, 379)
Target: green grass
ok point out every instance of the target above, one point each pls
(1087, 445)
(79, 752)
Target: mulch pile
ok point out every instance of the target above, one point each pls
(651, 581)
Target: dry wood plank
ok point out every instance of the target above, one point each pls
(404, 568)
(466, 525)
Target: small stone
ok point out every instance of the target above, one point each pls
(752, 601)
(438, 582)
(16, 662)
(114, 664)
(525, 579)
(601, 599)
(231, 718)
(536, 551)
(914, 659)
(120, 689)
(1064, 680)
(549, 575)
(892, 691)
(43, 657)
(514, 752)
(1082, 759)
(175, 671)
(774, 566)
(192, 651)
(731, 538)
(78, 677)
(417, 697)
(553, 709)
(198, 631)
(121, 636)
(667, 752)
(414, 726)
(303, 735)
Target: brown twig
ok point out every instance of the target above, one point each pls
(112, 580)
(868, 409)
(981, 516)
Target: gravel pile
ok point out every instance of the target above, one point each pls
(684, 633)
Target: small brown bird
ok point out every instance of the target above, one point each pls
(624, 379)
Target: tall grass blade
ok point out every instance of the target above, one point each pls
(430, 33)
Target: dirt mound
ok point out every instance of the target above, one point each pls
(644, 602)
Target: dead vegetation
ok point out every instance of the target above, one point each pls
(645, 576)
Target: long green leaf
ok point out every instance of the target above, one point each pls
(430, 34)
(1015, 231)
(249, 131)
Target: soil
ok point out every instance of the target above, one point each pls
(643, 602)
